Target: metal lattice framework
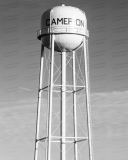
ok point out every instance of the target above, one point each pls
(63, 113)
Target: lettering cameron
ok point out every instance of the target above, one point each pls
(65, 21)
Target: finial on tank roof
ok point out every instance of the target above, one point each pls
(63, 4)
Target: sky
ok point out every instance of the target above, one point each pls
(107, 23)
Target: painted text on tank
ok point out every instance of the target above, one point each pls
(65, 21)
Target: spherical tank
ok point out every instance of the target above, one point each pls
(67, 23)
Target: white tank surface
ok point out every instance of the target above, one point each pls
(69, 24)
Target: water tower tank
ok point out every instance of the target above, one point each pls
(67, 23)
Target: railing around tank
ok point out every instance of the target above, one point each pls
(61, 30)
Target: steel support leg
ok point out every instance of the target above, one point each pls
(87, 99)
(50, 97)
(63, 107)
(39, 103)
(74, 108)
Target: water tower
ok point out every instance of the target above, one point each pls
(63, 128)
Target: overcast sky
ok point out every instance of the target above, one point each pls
(107, 22)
